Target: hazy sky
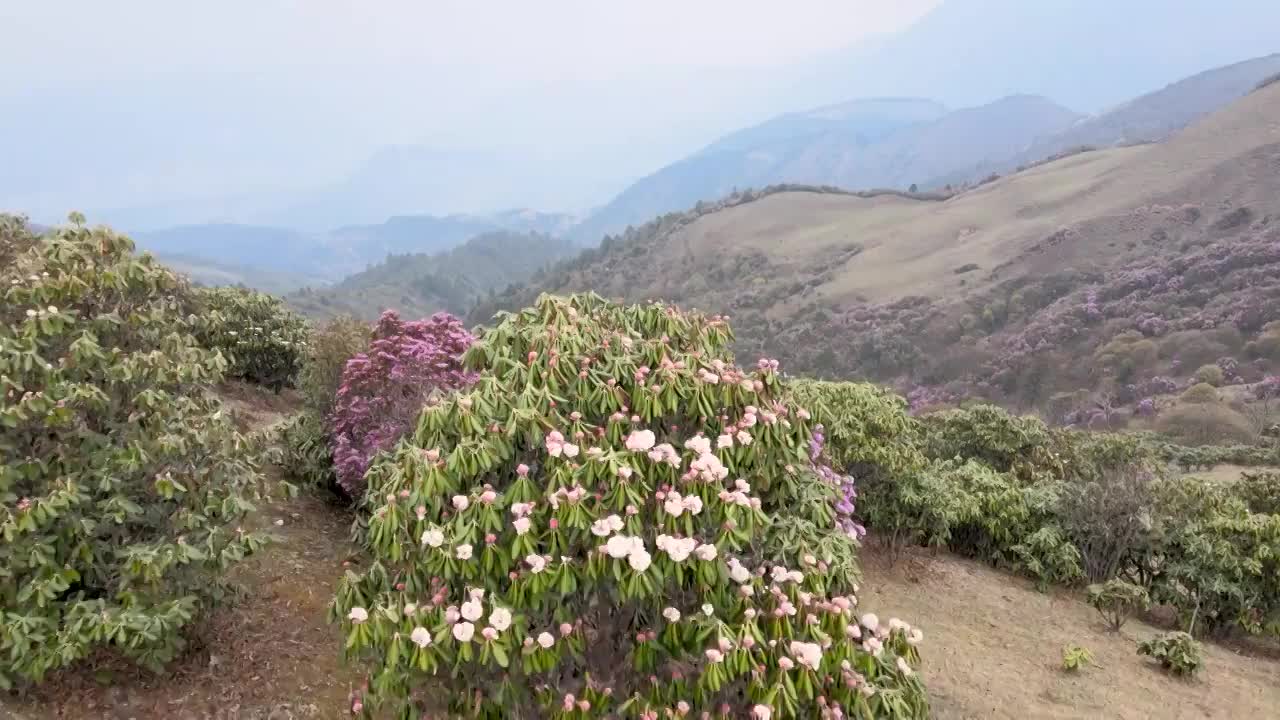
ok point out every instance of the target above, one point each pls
(151, 101)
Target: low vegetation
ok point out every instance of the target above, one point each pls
(1177, 652)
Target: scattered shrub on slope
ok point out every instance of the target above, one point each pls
(262, 339)
(617, 521)
(1206, 424)
(330, 347)
(122, 483)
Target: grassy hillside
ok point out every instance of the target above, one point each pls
(1008, 290)
(418, 284)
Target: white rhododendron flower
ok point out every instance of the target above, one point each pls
(761, 712)
(640, 440)
(808, 654)
(744, 437)
(739, 572)
(420, 637)
(463, 552)
(870, 622)
(433, 538)
(537, 563)
(639, 560)
(570, 450)
(698, 444)
(461, 502)
(673, 504)
(472, 610)
(358, 615)
(705, 552)
(724, 441)
(671, 614)
(620, 546)
(693, 504)
(464, 631)
(546, 640)
(708, 609)
(714, 655)
(500, 619)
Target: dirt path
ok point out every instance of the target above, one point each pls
(993, 649)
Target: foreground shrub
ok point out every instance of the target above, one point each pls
(1206, 424)
(1200, 393)
(1177, 652)
(1215, 562)
(384, 388)
(616, 521)
(1106, 506)
(1260, 491)
(330, 347)
(263, 341)
(1117, 601)
(122, 483)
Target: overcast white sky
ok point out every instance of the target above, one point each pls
(490, 44)
(285, 94)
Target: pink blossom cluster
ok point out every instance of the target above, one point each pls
(383, 389)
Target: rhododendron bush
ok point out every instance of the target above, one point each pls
(122, 483)
(263, 341)
(383, 389)
(616, 520)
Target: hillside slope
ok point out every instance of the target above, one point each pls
(991, 290)
(419, 284)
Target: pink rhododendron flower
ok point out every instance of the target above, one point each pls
(521, 525)
(461, 502)
(537, 563)
(640, 440)
(724, 441)
(698, 444)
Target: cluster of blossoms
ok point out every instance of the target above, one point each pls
(384, 388)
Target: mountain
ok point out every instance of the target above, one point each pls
(904, 142)
(420, 284)
(1086, 54)
(1147, 118)
(293, 259)
(1096, 273)
(859, 144)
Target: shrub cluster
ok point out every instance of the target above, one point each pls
(263, 341)
(617, 521)
(122, 483)
(1065, 506)
(1177, 652)
(383, 389)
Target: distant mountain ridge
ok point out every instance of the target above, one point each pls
(211, 252)
(419, 284)
(899, 142)
(1079, 281)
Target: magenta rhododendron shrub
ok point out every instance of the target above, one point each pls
(384, 388)
(617, 521)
